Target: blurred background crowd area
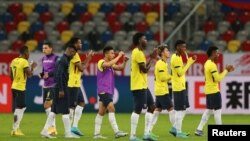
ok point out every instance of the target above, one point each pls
(114, 22)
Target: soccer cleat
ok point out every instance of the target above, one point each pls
(99, 136)
(17, 132)
(149, 137)
(173, 131)
(199, 132)
(45, 134)
(71, 135)
(154, 135)
(120, 134)
(76, 131)
(134, 138)
(181, 135)
(52, 131)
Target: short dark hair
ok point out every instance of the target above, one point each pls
(179, 42)
(74, 40)
(48, 43)
(137, 37)
(161, 48)
(107, 49)
(24, 50)
(71, 46)
(210, 50)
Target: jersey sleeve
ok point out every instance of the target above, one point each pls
(25, 64)
(140, 57)
(163, 72)
(216, 75)
(99, 65)
(76, 58)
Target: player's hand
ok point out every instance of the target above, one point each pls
(33, 65)
(46, 75)
(230, 68)
(194, 57)
(90, 54)
(120, 53)
(61, 94)
(125, 58)
(154, 54)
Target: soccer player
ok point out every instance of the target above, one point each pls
(162, 77)
(179, 86)
(212, 91)
(139, 87)
(48, 64)
(61, 99)
(19, 71)
(76, 68)
(105, 90)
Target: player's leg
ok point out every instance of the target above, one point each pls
(140, 102)
(73, 94)
(170, 107)
(217, 108)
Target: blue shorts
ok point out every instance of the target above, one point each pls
(48, 94)
(105, 98)
(18, 99)
(213, 101)
(75, 96)
(61, 105)
(164, 102)
(180, 100)
(142, 99)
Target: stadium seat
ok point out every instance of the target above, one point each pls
(173, 8)
(244, 17)
(6, 17)
(85, 45)
(236, 26)
(185, 7)
(61, 26)
(58, 17)
(106, 7)
(2, 35)
(45, 17)
(102, 27)
(28, 7)
(212, 36)
(225, 9)
(116, 26)
(169, 26)
(129, 26)
(41, 7)
(141, 26)
(3, 7)
(156, 7)
(33, 17)
(93, 7)
(72, 17)
(151, 44)
(228, 35)
(177, 17)
(54, 7)
(111, 17)
(49, 26)
(20, 17)
(151, 17)
(205, 45)
(247, 27)
(25, 36)
(209, 26)
(233, 46)
(120, 8)
(10, 26)
(76, 27)
(198, 37)
(138, 17)
(149, 35)
(201, 10)
(36, 26)
(146, 7)
(120, 36)
(124, 46)
(98, 17)
(16, 45)
(80, 8)
(53, 36)
(15, 8)
(57, 46)
(66, 7)
(13, 36)
(133, 7)
(221, 44)
(223, 26)
(4, 45)
(130, 35)
(155, 27)
(106, 36)
(32, 45)
(124, 17)
(112, 43)
(231, 17)
(88, 27)
(66, 36)
(85, 17)
(242, 35)
(245, 46)
(157, 36)
(40, 36)
(23, 27)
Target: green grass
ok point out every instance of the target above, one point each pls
(33, 123)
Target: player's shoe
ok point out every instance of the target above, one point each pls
(199, 132)
(17, 132)
(45, 134)
(76, 131)
(71, 135)
(99, 136)
(52, 131)
(149, 137)
(181, 135)
(134, 138)
(120, 134)
(173, 131)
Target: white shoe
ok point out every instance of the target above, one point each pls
(70, 135)
(99, 136)
(45, 134)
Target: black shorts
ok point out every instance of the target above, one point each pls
(180, 100)
(75, 96)
(61, 105)
(48, 94)
(164, 102)
(213, 101)
(105, 98)
(142, 99)
(18, 99)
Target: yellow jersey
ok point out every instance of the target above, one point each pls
(19, 76)
(138, 79)
(212, 77)
(178, 72)
(74, 73)
(161, 78)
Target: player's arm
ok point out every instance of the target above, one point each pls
(59, 74)
(182, 70)
(29, 71)
(121, 66)
(11, 74)
(112, 62)
(164, 75)
(219, 76)
(85, 63)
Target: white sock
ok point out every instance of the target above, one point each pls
(78, 114)
(204, 118)
(54, 122)
(19, 116)
(134, 122)
(148, 120)
(47, 111)
(154, 120)
(113, 123)
(98, 123)
(49, 121)
(66, 122)
(178, 121)
(71, 115)
(171, 115)
(217, 117)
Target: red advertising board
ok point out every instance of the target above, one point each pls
(5, 94)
